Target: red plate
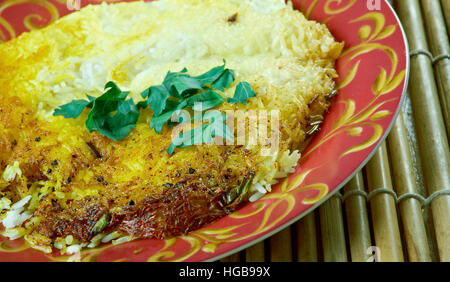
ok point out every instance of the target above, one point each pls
(373, 77)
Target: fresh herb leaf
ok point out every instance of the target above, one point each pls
(224, 81)
(113, 116)
(185, 85)
(188, 92)
(177, 118)
(91, 99)
(208, 100)
(115, 126)
(203, 134)
(185, 91)
(170, 78)
(211, 75)
(242, 93)
(157, 98)
(219, 127)
(172, 107)
(219, 78)
(72, 109)
(113, 93)
(188, 138)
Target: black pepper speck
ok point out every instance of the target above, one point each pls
(232, 18)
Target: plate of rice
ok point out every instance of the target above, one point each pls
(176, 130)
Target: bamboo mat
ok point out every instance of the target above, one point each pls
(398, 207)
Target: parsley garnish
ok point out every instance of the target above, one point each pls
(71, 110)
(115, 126)
(203, 134)
(243, 92)
(113, 116)
(179, 90)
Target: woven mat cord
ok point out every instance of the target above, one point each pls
(424, 201)
(434, 60)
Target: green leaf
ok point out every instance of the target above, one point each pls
(203, 134)
(169, 79)
(172, 107)
(224, 81)
(220, 78)
(115, 126)
(185, 85)
(218, 126)
(186, 92)
(72, 109)
(211, 75)
(157, 98)
(114, 117)
(179, 117)
(91, 99)
(188, 138)
(182, 85)
(242, 93)
(120, 124)
(208, 100)
(113, 94)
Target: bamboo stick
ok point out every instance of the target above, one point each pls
(438, 40)
(255, 253)
(431, 133)
(405, 182)
(357, 220)
(281, 246)
(333, 233)
(382, 205)
(306, 239)
(446, 9)
(232, 258)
